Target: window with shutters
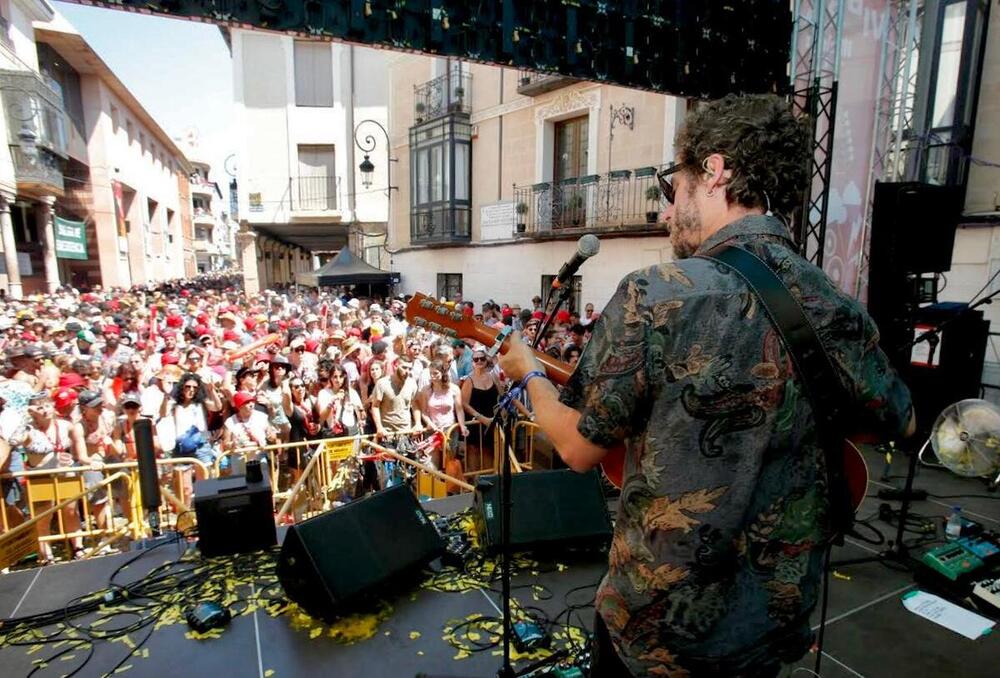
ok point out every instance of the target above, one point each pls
(313, 74)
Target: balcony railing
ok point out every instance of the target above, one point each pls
(203, 215)
(31, 102)
(620, 200)
(43, 171)
(532, 84)
(445, 94)
(314, 194)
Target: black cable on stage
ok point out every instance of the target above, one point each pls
(823, 608)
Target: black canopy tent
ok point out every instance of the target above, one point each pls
(346, 269)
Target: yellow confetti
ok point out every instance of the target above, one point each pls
(462, 654)
(145, 653)
(388, 633)
(123, 669)
(128, 641)
(414, 635)
(268, 673)
(316, 632)
(420, 653)
(34, 648)
(67, 657)
(472, 635)
(561, 567)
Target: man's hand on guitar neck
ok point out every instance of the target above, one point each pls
(518, 359)
(557, 420)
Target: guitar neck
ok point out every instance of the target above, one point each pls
(425, 312)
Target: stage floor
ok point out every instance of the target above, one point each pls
(869, 633)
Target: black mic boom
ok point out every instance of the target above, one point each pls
(586, 247)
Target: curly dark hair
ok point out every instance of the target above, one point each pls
(199, 395)
(765, 146)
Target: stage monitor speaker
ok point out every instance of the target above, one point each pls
(234, 515)
(550, 509)
(913, 227)
(332, 561)
(950, 368)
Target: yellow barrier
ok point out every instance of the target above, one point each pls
(54, 485)
(21, 541)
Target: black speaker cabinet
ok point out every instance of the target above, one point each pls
(332, 561)
(913, 226)
(550, 509)
(234, 515)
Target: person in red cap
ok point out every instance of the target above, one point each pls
(247, 427)
(64, 400)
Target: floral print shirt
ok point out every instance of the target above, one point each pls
(717, 553)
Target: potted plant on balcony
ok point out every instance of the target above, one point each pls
(420, 107)
(521, 209)
(652, 194)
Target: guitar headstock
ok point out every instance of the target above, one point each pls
(430, 314)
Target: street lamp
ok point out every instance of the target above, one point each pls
(367, 145)
(367, 167)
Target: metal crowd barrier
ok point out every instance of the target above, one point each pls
(309, 494)
(57, 485)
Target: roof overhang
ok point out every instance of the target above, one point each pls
(312, 237)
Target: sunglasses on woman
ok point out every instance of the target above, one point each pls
(479, 359)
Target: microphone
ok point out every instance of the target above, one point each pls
(586, 247)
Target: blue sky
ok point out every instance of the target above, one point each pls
(180, 71)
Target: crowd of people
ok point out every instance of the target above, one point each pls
(219, 372)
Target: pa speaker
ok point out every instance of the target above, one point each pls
(331, 562)
(913, 227)
(235, 515)
(550, 509)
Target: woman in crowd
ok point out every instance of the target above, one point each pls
(303, 425)
(50, 442)
(189, 409)
(480, 393)
(341, 410)
(272, 395)
(375, 372)
(441, 408)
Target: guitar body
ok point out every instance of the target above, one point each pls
(424, 311)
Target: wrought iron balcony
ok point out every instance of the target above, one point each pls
(430, 226)
(42, 172)
(532, 84)
(446, 94)
(31, 102)
(621, 200)
(314, 194)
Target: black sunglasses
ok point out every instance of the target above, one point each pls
(666, 187)
(480, 359)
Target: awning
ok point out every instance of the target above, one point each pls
(346, 269)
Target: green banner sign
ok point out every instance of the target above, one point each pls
(71, 239)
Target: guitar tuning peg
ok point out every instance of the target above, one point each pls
(419, 322)
(457, 317)
(442, 310)
(426, 303)
(434, 327)
(450, 332)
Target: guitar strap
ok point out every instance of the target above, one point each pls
(812, 363)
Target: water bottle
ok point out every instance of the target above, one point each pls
(953, 528)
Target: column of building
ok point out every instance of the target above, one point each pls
(44, 218)
(9, 246)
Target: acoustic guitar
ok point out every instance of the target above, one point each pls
(428, 313)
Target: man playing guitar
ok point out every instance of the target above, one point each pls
(718, 547)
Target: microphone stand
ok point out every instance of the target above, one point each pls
(505, 415)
